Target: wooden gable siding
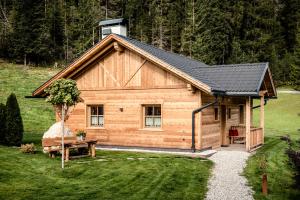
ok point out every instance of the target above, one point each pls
(126, 80)
(126, 70)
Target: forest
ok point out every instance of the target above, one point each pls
(47, 32)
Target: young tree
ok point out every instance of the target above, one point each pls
(14, 124)
(63, 93)
(2, 123)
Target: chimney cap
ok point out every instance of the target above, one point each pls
(110, 22)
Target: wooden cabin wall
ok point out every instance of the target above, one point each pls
(126, 80)
(210, 127)
(126, 128)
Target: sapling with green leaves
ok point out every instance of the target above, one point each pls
(63, 94)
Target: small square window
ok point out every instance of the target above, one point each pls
(96, 118)
(229, 113)
(241, 114)
(152, 116)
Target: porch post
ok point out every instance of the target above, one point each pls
(262, 117)
(248, 122)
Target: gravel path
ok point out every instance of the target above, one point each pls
(226, 182)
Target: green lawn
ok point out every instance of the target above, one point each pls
(112, 175)
(282, 117)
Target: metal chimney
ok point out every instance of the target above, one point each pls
(117, 26)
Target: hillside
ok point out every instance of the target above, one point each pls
(37, 114)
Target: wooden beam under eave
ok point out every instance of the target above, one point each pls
(248, 122)
(191, 88)
(263, 92)
(118, 47)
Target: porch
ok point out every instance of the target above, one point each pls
(238, 142)
(247, 135)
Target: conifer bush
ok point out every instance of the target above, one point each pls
(14, 124)
(2, 123)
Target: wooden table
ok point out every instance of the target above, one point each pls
(74, 144)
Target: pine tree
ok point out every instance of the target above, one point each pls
(2, 123)
(14, 124)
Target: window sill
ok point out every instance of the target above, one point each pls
(151, 129)
(95, 128)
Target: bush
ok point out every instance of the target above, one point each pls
(2, 123)
(28, 148)
(14, 124)
(295, 159)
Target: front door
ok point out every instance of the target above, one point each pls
(223, 126)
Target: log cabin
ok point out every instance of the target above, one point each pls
(137, 95)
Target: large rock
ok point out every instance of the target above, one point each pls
(55, 131)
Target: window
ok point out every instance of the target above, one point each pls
(229, 113)
(216, 114)
(152, 116)
(241, 114)
(96, 116)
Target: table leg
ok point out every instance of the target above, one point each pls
(93, 150)
(89, 149)
(67, 153)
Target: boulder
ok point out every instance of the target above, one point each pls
(55, 131)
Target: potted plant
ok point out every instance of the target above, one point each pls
(80, 135)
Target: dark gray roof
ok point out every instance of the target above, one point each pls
(112, 22)
(235, 79)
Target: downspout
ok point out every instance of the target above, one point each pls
(266, 101)
(193, 120)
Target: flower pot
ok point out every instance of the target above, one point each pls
(80, 138)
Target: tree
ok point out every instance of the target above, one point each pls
(2, 123)
(14, 124)
(63, 93)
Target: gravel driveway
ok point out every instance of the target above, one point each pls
(226, 182)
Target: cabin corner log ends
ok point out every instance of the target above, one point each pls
(193, 120)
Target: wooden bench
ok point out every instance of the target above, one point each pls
(69, 143)
(53, 145)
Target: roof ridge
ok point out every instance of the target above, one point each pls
(240, 64)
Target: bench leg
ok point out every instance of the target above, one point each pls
(67, 154)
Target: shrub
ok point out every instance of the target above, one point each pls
(28, 148)
(295, 159)
(14, 124)
(2, 123)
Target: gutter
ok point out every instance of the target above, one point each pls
(193, 120)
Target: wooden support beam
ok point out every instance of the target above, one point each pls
(248, 122)
(263, 92)
(118, 47)
(190, 88)
(262, 117)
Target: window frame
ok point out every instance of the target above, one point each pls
(241, 119)
(89, 116)
(153, 116)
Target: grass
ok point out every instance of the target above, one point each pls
(281, 118)
(112, 175)
(36, 113)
